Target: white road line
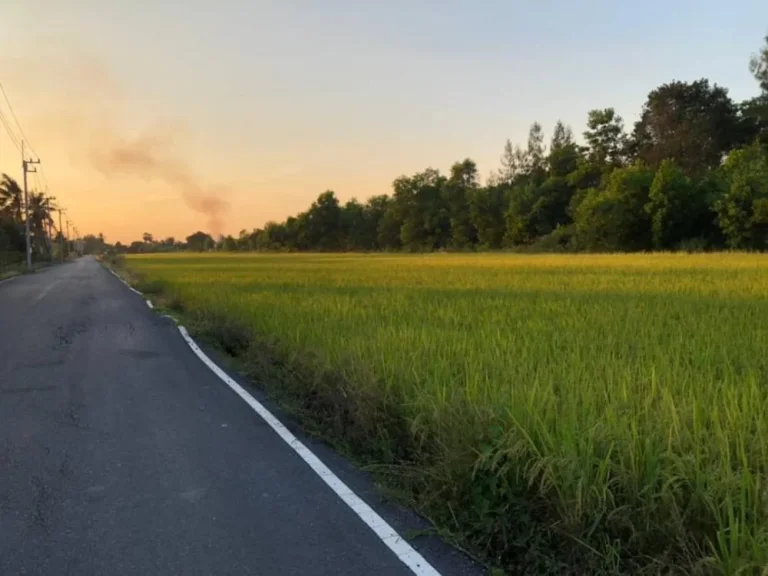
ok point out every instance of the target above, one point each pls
(384, 531)
(46, 290)
(131, 288)
(380, 527)
(150, 305)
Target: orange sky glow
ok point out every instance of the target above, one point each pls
(122, 175)
(171, 117)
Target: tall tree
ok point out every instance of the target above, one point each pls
(694, 124)
(586, 176)
(356, 232)
(486, 210)
(605, 137)
(275, 236)
(614, 218)
(95, 244)
(755, 110)
(375, 209)
(517, 162)
(322, 224)
(199, 242)
(562, 136)
(536, 152)
(550, 205)
(519, 228)
(40, 219)
(228, 243)
(758, 65)
(12, 243)
(388, 229)
(742, 211)
(456, 192)
(564, 154)
(421, 209)
(12, 198)
(673, 205)
(514, 163)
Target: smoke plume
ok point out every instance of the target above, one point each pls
(147, 157)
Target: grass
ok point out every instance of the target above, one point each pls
(582, 413)
(6, 274)
(8, 271)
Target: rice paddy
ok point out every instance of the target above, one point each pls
(601, 413)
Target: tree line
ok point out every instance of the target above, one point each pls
(691, 174)
(45, 240)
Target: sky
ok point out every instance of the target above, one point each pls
(173, 116)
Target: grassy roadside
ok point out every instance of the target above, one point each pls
(8, 272)
(361, 423)
(309, 393)
(512, 407)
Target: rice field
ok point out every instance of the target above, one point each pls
(592, 413)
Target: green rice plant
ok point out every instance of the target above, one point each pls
(583, 413)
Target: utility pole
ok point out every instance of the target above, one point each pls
(25, 167)
(61, 236)
(50, 225)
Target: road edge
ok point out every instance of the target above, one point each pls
(383, 530)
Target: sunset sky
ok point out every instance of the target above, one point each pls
(150, 114)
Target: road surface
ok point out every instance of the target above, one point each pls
(121, 453)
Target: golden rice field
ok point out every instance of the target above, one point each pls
(589, 412)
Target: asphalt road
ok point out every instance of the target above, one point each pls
(121, 453)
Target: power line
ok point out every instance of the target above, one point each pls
(45, 178)
(11, 135)
(21, 130)
(19, 143)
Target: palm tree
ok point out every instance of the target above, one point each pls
(11, 198)
(40, 220)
